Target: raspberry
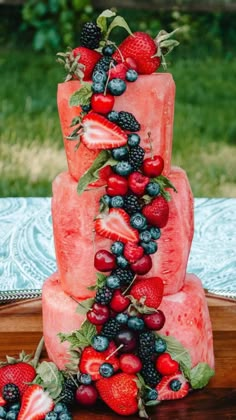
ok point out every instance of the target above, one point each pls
(103, 295)
(90, 36)
(125, 276)
(150, 374)
(111, 328)
(104, 63)
(11, 393)
(131, 204)
(127, 121)
(136, 156)
(146, 347)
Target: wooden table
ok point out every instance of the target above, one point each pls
(21, 328)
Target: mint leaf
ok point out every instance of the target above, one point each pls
(200, 375)
(120, 22)
(84, 307)
(164, 183)
(178, 352)
(102, 19)
(50, 378)
(100, 282)
(85, 334)
(81, 96)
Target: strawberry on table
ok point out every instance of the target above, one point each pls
(36, 403)
(152, 288)
(116, 226)
(172, 387)
(19, 373)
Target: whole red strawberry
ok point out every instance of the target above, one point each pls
(157, 212)
(152, 288)
(88, 58)
(120, 393)
(19, 373)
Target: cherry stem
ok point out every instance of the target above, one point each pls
(150, 141)
(108, 78)
(126, 290)
(115, 351)
(79, 303)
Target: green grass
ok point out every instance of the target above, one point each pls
(31, 149)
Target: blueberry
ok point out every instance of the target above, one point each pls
(138, 221)
(113, 282)
(145, 236)
(105, 200)
(135, 323)
(133, 139)
(11, 415)
(122, 261)
(117, 248)
(98, 87)
(51, 416)
(150, 247)
(99, 76)
(153, 189)
(116, 86)
(113, 116)
(175, 385)
(85, 378)
(65, 416)
(100, 343)
(108, 50)
(122, 318)
(155, 232)
(131, 75)
(160, 345)
(15, 407)
(151, 395)
(120, 153)
(117, 201)
(123, 168)
(106, 370)
(86, 108)
(2, 413)
(60, 407)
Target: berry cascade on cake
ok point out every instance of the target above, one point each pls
(123, 322)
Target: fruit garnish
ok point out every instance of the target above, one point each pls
(153, 166)
(119, 302)
(116, 226)
(155, 321)
(35, 404)
(137, 183)
(99, 314)
(133, 252)
(157, 212)
(91, 360)
(79, 62)
(142, 266)
(166, 365)
(104, 260)
(86, 395)
(130, 363)
(164, 388)
(101, 103)
(119, 71)
(117, 185)
(151, 288)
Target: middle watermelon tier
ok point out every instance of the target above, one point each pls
(76, 242)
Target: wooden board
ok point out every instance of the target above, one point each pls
(21, 329)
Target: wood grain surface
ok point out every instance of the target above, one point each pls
(21, 329)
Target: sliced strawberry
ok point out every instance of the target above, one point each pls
(2, 401)
(164, 388)
(91, 360)
(36, 403)
(133, 252)
(100, 133)
(116, 226)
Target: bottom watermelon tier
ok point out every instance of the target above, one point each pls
(186, 312)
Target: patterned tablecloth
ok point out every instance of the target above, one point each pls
(27, 254)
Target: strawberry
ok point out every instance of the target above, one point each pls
(36, 403)
(133, 252)
(119, 71)
(2, 401)
(120, 393)
(166, 365)
(115, 225)
(91, 360)
(157, 212)
(137, 183)
(166, 390)
(152, 288)
(19, 373)
(88, 58)
(100, 133)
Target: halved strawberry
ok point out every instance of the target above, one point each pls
(115, 225)
(100, 133)
(166, 386)
(36, 403)
(91, 360)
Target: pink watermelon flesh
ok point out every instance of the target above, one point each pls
(74, 238)
(187, 319)
(170, 261)
(150, 99)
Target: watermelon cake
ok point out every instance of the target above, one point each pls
(123, 322)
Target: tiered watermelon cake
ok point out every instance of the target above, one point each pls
(121, 318)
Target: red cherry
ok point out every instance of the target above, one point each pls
(128, 339)
(166, 365)
(131, 63)
(130, 363)
(86, 395)
(155, 321)
(142, 266)
(153, 166)
(117, 185)
(102, 103)
(137, 183)
(99, 314)
(104, 261)
(119, 302)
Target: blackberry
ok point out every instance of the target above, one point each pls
(125, 276)
(150, 374)
(67, 395)
(103, 295)
(11, 393)
(90, 36)
(146, 345)
(71, 382)
(110, 328)
(127, 121)
(136, 156)
(104, 63)
(131, 204)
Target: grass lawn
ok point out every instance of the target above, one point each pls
(31, 150)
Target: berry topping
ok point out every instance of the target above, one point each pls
(136, 155)
(153, 166)
(125, 276)
(151, 288)
(113, 116)
(102, 103)
(160, 345)
(110, 328)
(153, 189)
(122, 262)
(149, 248)
(166, 365)
(133, 252)
(117, 201)
(133, 139)
(120, 153)
(84, 378)
(135, 323)
(145, 236)
(106, 370)
(127, 121)
(138, 221)
(118, 72)
(90, 35)
(100, 343)
(18, 372)
(117, 185)
(131, 75)
(137, 183)
(86, 395)
(99, 76)
(123, 168)
(35, 404)
(128, 340)
(91, 360)
(117, 248)
(142, 266)
(130, 363)
(146, 345)
(99, 133)
(155, 321)
(150, 374)
(104, 63)
(67, 395)
(108, 49)
(103, 295)
(116, 226)
(113, 282)
(119, 302)
(116, 87)
(157, 212)
(11, 393)
(155, 232)
(98, 88)
(104, 261)
(164, 388)
(131, 204)
(122, 318)
(86, 58)
(99, 313)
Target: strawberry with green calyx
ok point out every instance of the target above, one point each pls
(157, 212)
(79, 63)
(91, 360)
